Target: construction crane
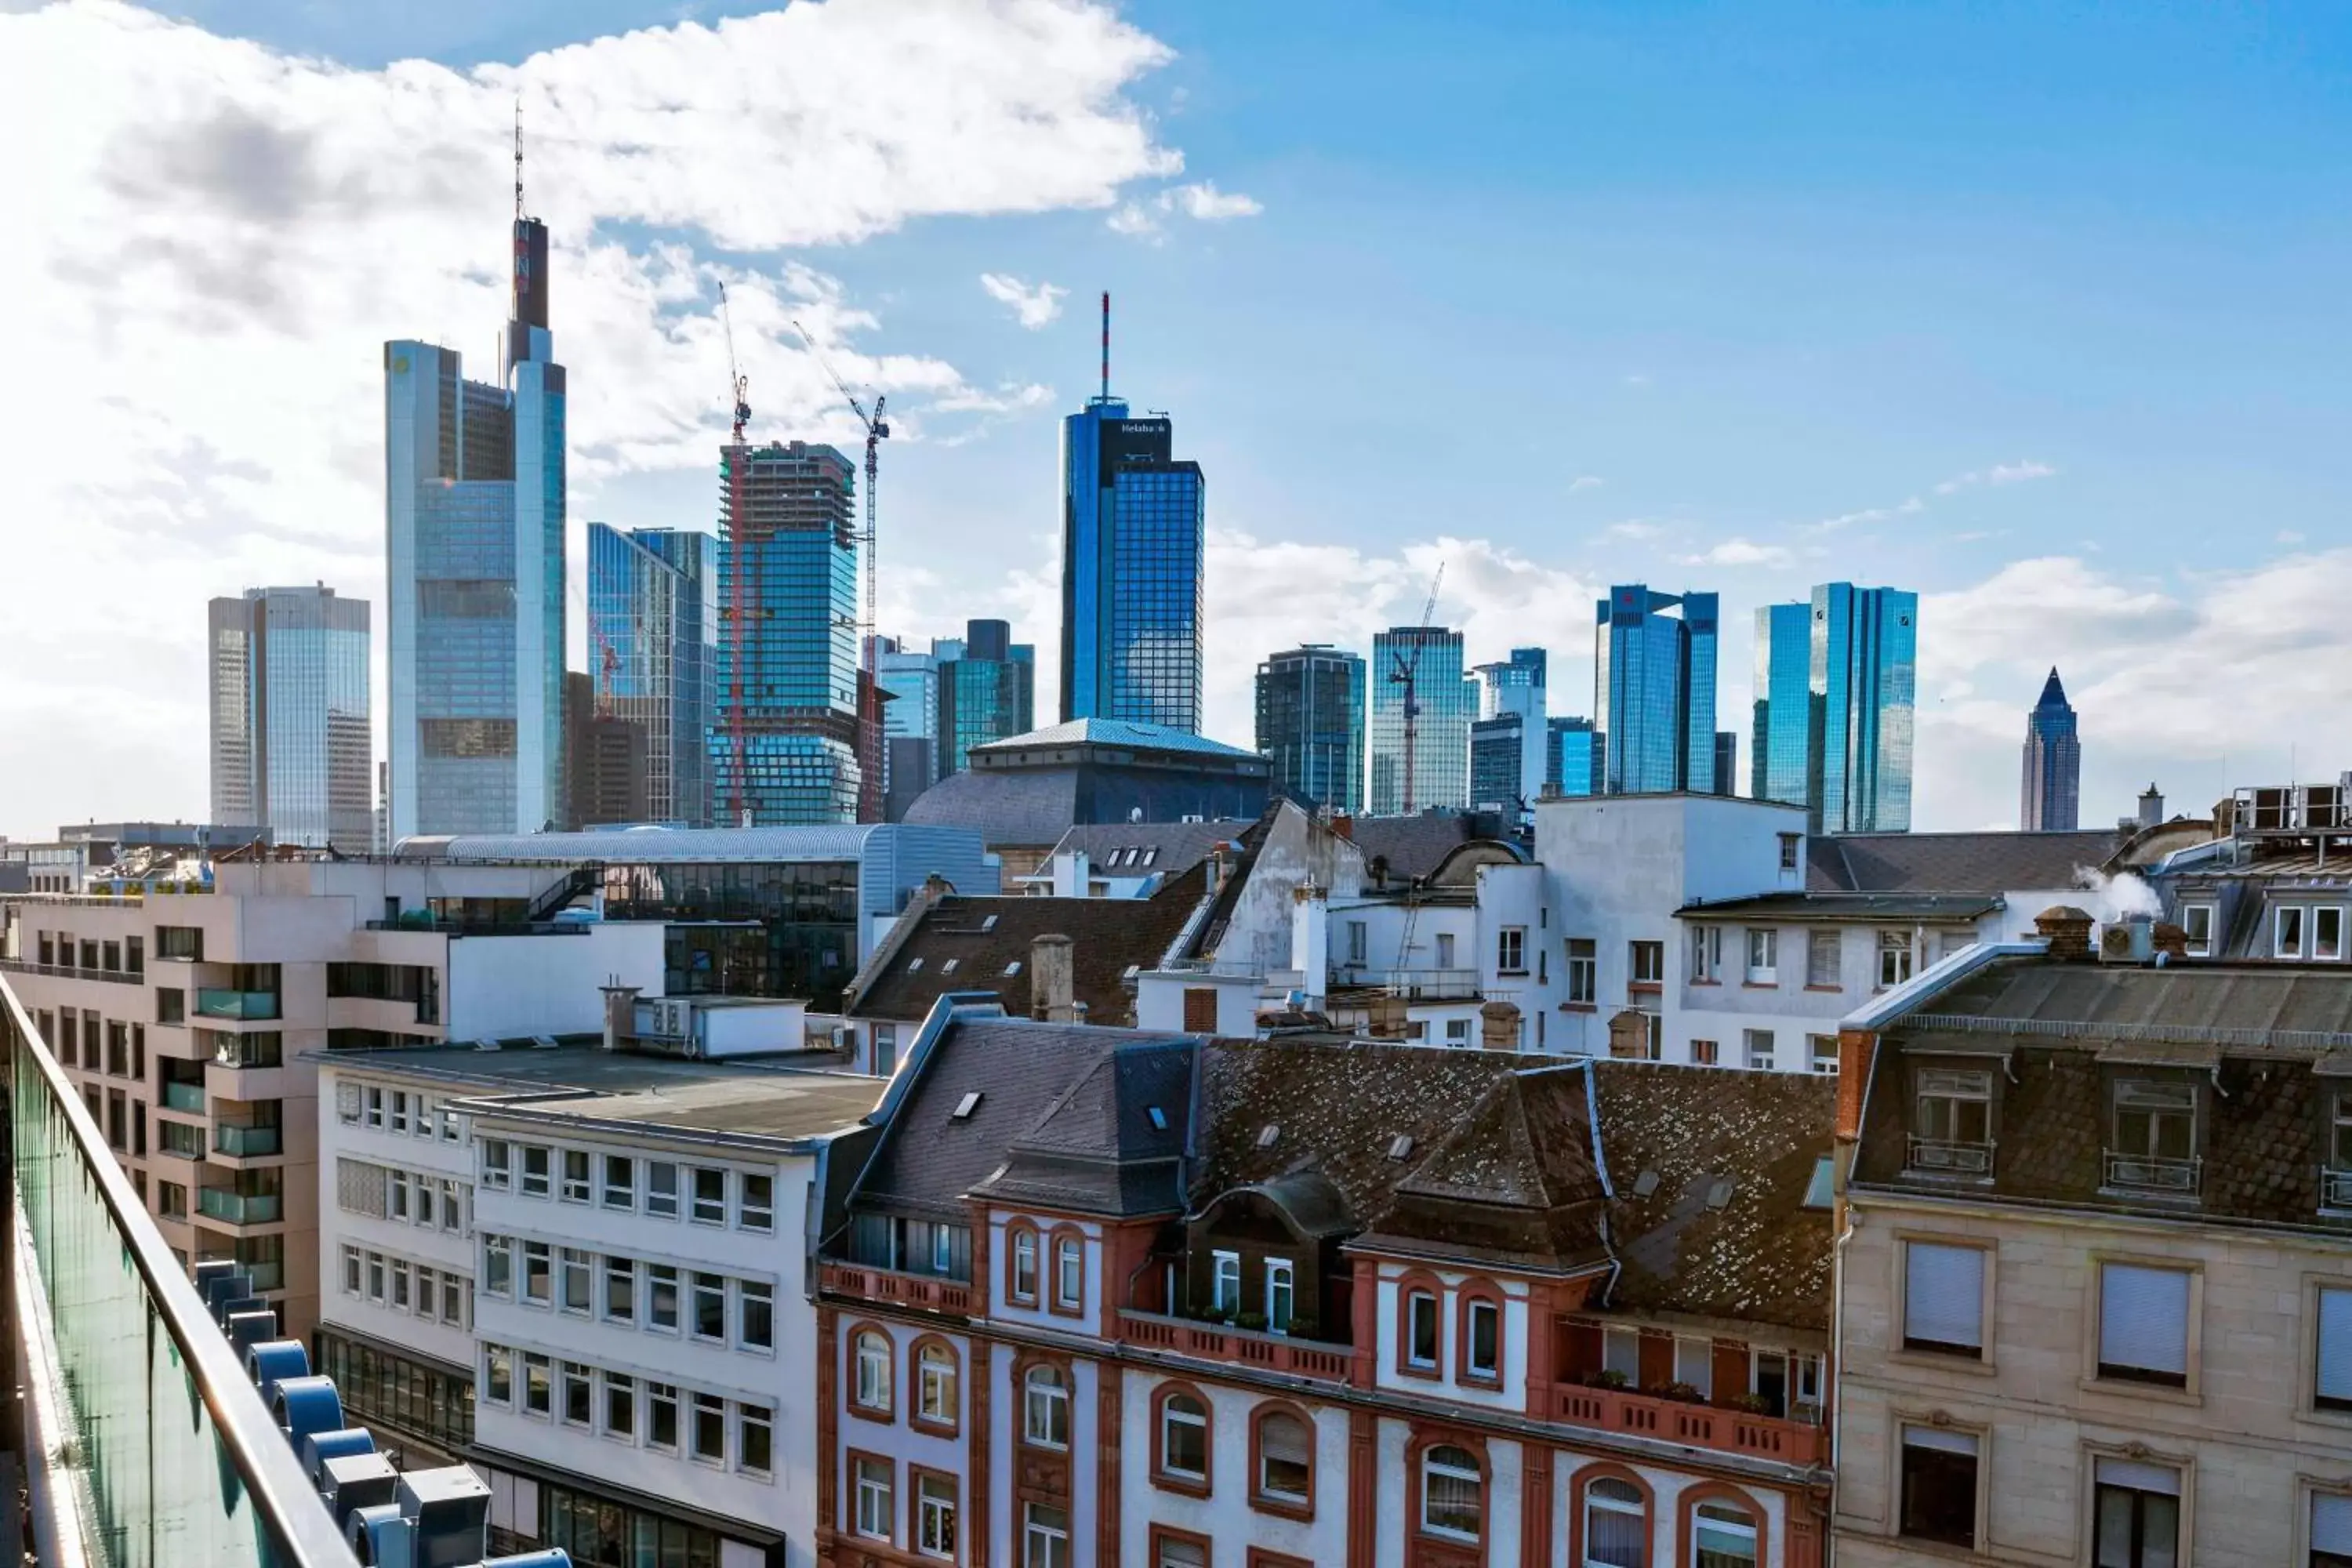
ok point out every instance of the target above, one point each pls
(739, 569)
(1407, 674)
(877, 430)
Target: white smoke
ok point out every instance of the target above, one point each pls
(2119, 897)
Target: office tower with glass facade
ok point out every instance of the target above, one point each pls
(1132, 523)
(653, 656)
(1310, 725)
(988, 692)
(1567, 756)
(1448, 700)
(291, 745)
(1653, 691)
(1864, 676)
(1513, 687)
(474, 621)
(911, 720)
(1786, 720)
(783, 751)
(2051, 798)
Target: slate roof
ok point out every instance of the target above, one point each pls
(1843, 906)
(1101, 1148)
(1954, 862)
(1164, 848)
(1117, 733)
(1023, 1074)
(1762, 1257)
(2057, 1034)
(1413, 846)
(1024, 807)
(1106, 936)
(843, 841)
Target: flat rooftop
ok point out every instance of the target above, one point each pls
(784, 1096)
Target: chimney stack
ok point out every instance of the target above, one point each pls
(620, 1013)
(1052, 988)
(1499, 1026)
(1629, 1035)
(2152, 806)
(2068, 932)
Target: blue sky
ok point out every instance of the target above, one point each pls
(2037, 309)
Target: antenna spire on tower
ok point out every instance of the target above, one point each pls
(1106, 368)
(518, 155)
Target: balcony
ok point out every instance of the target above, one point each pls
(69, 972)
(1947, 1157)
(927, 1291)
(248, 1143)
(233, 1208)
(1237, 1347)
(240, 1006)
(2127, 1173)
(1416, 984)
(1622, 1410)
(184, 1097)
(145, 1441)
(2335, 1189)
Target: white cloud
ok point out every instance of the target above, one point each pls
(1584, 482)
(1737, 551)
(1032, 308)
(216, 240)
(1636, 528)
(2290, 536)
(1200, 200)
(2015, 473)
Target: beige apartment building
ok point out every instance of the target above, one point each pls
(2095, 1288)
(183, 1017)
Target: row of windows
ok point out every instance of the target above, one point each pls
(396, 1110)
(1824, 956)
(412, 1197)
(127, 957)
(659, 1297)
(378, 1386)
(125, 1044)
(405, 1286)
(701, 1194)
(873, 1508)
(2297, 930)
(1760, 1049)
(1069, 1269)
(938, 1375)
(1281, 1473)
(640, 1412)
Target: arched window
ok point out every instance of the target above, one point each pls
(1021, 1267)
(1069, 1272)
(1045, 1408)
(935, 1385)
(1723, 1535)
(1285, 1459)
(873, 1370)
(1184, 1437)
(1452, 1493)
(1616, 1525)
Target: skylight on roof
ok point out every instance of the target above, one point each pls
(1158, 1117)
(948, 967)
(1719, 1194)
(988, 924)
(1269, 1134)
(1152, 854)
(1817, 1191)
(915, 964)
(1401, 1146)
(966, 1106)
(1012, 969)
(1645, 1183)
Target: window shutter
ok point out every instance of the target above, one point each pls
(1695, 1363)
(2335, 1345)
(2144, 1318)
(1282, 1440)
(2331, 1525)
(1943, 1294)
(2161, 1479)
(1941, 1440)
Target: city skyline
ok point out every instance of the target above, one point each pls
(2032, 462)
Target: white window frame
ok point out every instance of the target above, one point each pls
(498, 1163)
(1470, 1311)
(1897, 959)
(1511, 950)
(659, 1275)
(1039, 1400)
(755, 1217)
(1069, 1272)
(702, 1287)
(1584, 971)
(2095, 1328)
(747, 1417)
(626, 1191)
(1924, 1259)
(1416, 1298)
(704, 1211)
(1764, 1061)
(877, 1500)
(936, 1381)
(1225, 1281)
(1282, 1292)
(1706, 954)
(1171, 1416)
(658, 1204)
(541, 1186)
(1045, 1545)
(619, 1290)
(580, 1189)
(748, 1292)
(1429, 1468)
(872, 1354)
(931, 1511)
(2326, 945)
(2289, 932)
(1596, 1502)
(2198, 932)
(1763, 955)
(1832, 942)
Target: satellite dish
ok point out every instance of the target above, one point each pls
(1135, 814)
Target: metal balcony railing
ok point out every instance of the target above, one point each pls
(2153, 1173)
(1417, 984)
(2335, 1189)
(72, 972)
(156, 1448)
(1949, 1157)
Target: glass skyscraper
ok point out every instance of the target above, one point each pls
(474, 624)
(1513, 687)
(291, 746)
(1567, 756)
(1865, 677)
(1779, 753)
(1310, 725)
(1132, 523)
(988, 692)
(652, 655)
(1653, 691)
(1448, 700)
(2050, 800)
(785, 750)
(910, 715)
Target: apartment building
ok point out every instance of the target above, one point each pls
(1160, 1300)
(2275, 880)
(183, 1019)
(2096, 1305)
(627, 1362)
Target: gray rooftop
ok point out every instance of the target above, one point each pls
(1844, 906)
(1955, 862)
(841, 842)
(1117, 733)
(1166, 847)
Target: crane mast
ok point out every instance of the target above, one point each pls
(739, 386)
(1407, 674)
(877, 430)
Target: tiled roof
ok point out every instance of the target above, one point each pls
(1762, 1256)
(1955, 862)
(1841, 906)
(1117, 733)
(1410, 846)
(1141, 849)
(2103, 1000)
(1107, 937)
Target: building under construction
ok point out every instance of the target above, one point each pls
(785, 749)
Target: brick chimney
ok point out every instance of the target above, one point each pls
(1499, 1026)
(2068, 932)
(1629, 1035)
(2170, 940)
(1052, 987)
(1387, 1018)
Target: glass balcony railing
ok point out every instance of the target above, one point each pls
(237, 1208)
(218, 1004)
(174, 1457)
(187, 1096)
(246, 1142)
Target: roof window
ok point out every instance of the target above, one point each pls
(1158, 1117)
(966, 1106)
(1719, 1194)
(1645, 1183)
(915, 964)
(1817, 1191)
(1269, 1134)
(1152, 854)
(948, 967)
(988, 925)
(1012, 969)
(1401, 1146)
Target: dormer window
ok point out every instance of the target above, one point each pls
(2336, 1179)
(2197, 926)
(1951, 1127)
(2153, 1146)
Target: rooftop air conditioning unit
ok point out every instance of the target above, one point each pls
(2128, 941)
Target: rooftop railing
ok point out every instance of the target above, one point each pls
(2335, 1189)
(2153, 1173)
(1949, 1157)
(157, 1450)
(70, 972)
